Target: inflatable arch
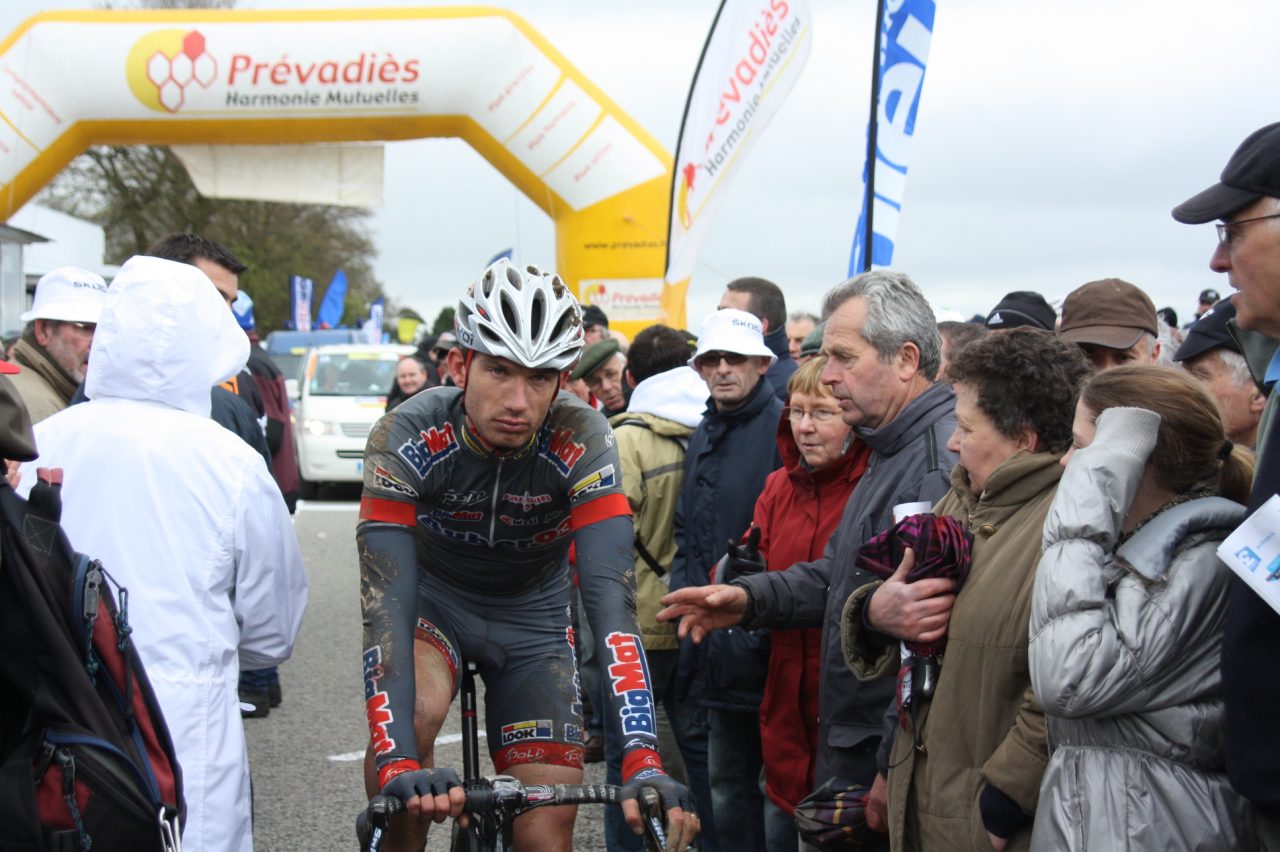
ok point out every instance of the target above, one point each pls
(74, 79)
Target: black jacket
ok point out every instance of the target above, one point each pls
(780, 371)
(730, 455)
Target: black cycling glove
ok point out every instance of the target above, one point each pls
(422, 782)
(672, 792)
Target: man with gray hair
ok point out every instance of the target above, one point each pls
(1213, 356)
(883, 351)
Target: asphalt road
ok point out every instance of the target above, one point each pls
(306, 757)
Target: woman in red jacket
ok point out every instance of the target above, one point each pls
(798, 510)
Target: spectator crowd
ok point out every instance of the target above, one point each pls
(901, 584)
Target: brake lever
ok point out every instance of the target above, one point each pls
(651, 811)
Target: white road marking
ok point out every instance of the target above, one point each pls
(359, 755)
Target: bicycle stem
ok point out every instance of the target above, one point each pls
(470, 734)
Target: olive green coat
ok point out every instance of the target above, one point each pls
(982, 725)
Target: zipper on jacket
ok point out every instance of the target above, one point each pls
(493, 505)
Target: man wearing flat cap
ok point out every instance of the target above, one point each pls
(601, 367)
(1246, 203)
(1212, 355)
(54, 348)
(1113, 321)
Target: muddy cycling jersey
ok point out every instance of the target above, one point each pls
(497, 526)
(491, 522)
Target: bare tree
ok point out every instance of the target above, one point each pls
(138, 194)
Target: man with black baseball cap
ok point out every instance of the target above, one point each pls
(1212, 355)
(1208, 298)
(1246, 200)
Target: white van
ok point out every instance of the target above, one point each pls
(342, 392)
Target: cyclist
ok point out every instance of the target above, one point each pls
(472, 497)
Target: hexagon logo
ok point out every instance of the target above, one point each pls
(164, 66)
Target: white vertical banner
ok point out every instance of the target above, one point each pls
(752, 59)
(373, 327)
(300, 290)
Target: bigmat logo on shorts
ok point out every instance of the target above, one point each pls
(630, 675)
(376, 705)
(534, 729)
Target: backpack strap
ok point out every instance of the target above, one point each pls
(653, 564)
(648, 558)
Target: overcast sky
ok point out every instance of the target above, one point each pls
(1053, 138)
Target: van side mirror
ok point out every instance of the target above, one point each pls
(291, 389)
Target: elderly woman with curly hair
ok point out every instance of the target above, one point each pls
(1127, 619)
(966, 763)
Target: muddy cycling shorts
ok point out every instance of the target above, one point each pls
(523, 647)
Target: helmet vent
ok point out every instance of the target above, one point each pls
(538, 314)
(510, 312)
(516, 279)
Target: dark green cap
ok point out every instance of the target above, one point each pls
(594, 357)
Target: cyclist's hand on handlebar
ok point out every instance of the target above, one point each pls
(433, 793)
(682, 821)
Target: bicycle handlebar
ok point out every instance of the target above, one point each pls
(506, 795)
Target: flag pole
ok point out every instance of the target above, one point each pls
(871, 140)
(684, 117)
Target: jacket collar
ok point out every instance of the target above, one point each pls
(1258, 351)
(935, 402)
(1150, 551)
(31, 355)
(759, 399)
(1011, 484)
(778, 343)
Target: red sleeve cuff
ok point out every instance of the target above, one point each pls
(599, 509)
(637, 760)
(396, 767)
(389, 511)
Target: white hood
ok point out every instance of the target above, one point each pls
(165, 335)
(679, 395)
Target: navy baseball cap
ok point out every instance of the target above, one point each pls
(1209, 332)
(1252, 172)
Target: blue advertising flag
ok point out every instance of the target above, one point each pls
(300, 290)
(330, 313)
(499, 256)
(902, 50)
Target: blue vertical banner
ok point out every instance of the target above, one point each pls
(331, 306)
(300, 290)
(905, 30)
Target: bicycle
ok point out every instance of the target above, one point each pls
(493, 802)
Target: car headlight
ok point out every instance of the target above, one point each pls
(317, 427)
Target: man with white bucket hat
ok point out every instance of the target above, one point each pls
(731, 453)
(54, 348)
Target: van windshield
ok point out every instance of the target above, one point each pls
(352, 374)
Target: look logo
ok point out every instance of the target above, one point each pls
(164, 66)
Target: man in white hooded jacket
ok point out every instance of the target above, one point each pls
(186, 516)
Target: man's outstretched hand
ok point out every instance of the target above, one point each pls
(702, 609)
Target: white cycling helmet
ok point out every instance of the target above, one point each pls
(528, 317)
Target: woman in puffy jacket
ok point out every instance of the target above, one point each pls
(1127, 618)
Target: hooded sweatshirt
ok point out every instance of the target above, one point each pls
(184, 515)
